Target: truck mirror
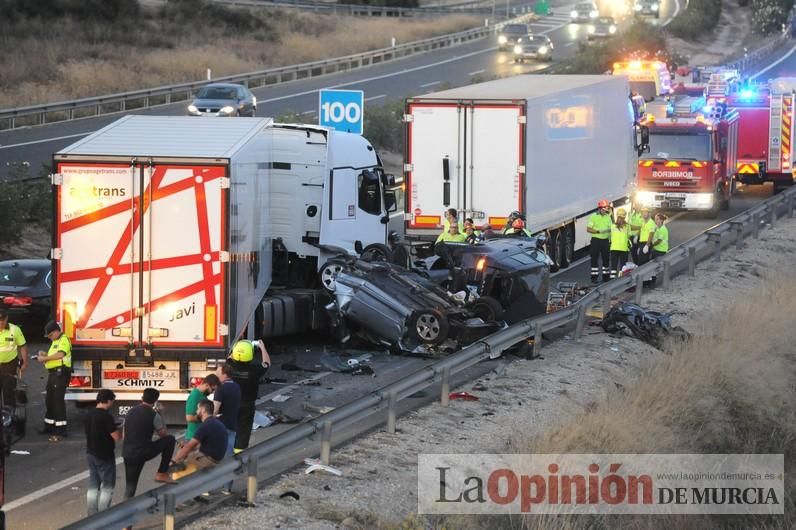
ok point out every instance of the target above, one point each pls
(389, 179)
(390, 201)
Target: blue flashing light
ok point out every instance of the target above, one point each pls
(747, 94)
(707, 110)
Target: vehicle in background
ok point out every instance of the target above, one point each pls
(765, 142)
(584, 12)
(647, 7)
(25, 291)
(169, 248)
(534, 47)
(223, 99)
(691, 162)
(602, 28)
(511, 34)
(524, 143)
(649, 79)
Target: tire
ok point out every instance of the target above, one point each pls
(487, 309)
(552, 250)
(328, 273)
(377, 252)
(400, 257)
(565, 247)
(429, 326)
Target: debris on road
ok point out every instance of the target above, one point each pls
(463, 396)
(280, 398)
(317, 410)
(652, 327)
(316, 465)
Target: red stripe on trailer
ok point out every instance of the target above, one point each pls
(204, 240)
(124, 268)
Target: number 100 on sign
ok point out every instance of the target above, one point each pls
(341, 110)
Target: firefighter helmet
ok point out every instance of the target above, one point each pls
(518, 224)
(620, 212)
(603, 203)
(243, 351)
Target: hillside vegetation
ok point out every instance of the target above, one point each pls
(65, 49)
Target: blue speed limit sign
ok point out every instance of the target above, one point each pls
(341, 110)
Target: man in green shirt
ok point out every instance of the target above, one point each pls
(620, 242)
(599, 227)
(452, 235)
(199, 392)
(13, 358)
(647, 228)
(659, 240)
(635, 220)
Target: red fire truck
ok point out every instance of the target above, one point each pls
(766, 114)
(691, 161)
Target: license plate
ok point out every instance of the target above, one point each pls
(141, 378)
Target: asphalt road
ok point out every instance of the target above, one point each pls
(411, 76)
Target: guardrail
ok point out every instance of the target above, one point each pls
(684, 257)
(751, 59)
(164, 95)
(474, 8)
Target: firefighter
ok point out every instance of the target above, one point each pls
(647, 228)
(452, 235)
(508, 228)
(472, 235)
(451, 217)
(659, 240)
(13, 358)
(58, 362)
(517, 228)
(635, 220)
(599, 227)
(247, 374)
(620, 242)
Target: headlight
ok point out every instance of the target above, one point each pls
(592, 29)
(518, 49)
(654, 7)
(192, 108)
(502, 39)
(645, 198)
(573, 14)
(637, 7)
(594, 14)
(227, 110)
(612, 30)
(543, 50)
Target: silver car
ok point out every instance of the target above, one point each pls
(223, 99)
(647, 7)
(534, 47)
(602, 28)
(584, 12)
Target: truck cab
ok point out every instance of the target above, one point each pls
(691, 159)
(649, 79)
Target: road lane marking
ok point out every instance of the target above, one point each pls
(476, 72)
(32, 142)
(433, 83)
(371, 98)
(775, 63)
(676, 11)
(308, 112)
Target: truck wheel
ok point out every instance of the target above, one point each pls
(487, 309)
(429, 325)
(328, 274)
(566, 247)
(377, 252)
(552, 249)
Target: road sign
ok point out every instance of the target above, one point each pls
(342, 110)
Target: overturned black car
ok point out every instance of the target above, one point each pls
(461, 293)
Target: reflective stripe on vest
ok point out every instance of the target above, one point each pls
(8, 343)
(60, 344)
(620, 238)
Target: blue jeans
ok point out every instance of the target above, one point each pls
(101, 481)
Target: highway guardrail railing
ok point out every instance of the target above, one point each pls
(333, 8)
(708, 245)
(164, 95)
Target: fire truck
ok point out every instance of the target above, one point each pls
(691, 161)
(766, 115)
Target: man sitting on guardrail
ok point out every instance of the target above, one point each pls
(206, 448)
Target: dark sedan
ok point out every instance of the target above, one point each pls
(25, 289)
(511, 34)
(223, 99)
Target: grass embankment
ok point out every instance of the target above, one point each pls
(730, 390)
(65, 49)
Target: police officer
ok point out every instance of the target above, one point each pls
(599, 226)
(620, 242)
(247, 374)
(58, 362)
(13, 358)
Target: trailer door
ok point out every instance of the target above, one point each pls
(139, 259)
(435, 162)
(495, 162)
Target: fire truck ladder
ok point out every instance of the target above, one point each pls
(775, 134)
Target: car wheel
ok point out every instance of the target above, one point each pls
(487, 309)
(328, 274)
(429, 326)
(377, 252)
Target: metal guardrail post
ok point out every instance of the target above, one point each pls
(667, 275)
(790, 206)
(169, 507)
(691, 262)
(391, 413)
(639, 288)
(444, 398)
(738, 226)
(537, 339)
(756, 225)
(715, 237)
(251, 481)
(606, 301)
(581, 322)
(326, 443)
(773, 215)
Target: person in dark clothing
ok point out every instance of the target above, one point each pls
(140, 424)
(247, 374)
(101, 436)
(226, 404)
(208, 445)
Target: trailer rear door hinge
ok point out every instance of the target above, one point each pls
(56, 253)
(408, 118)
(224, 182)
(223, 330)
(409, 167)
(522, 119)
(56, 179)
(407, 216)
(521, 169)
(223, 256)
